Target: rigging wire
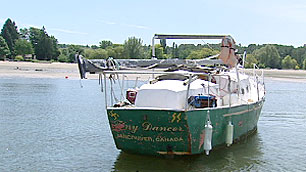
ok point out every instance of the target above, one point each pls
(208, 45)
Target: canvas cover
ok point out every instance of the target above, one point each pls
(170, 93)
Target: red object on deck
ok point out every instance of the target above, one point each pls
(131, 95)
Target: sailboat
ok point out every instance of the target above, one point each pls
(183, 107)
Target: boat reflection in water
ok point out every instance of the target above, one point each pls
(243, 156)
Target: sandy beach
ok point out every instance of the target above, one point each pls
(285, 75)
(40, 70)
(70, 71)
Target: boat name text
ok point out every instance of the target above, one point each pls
(149, 127)
(119, 126)
(149, 139)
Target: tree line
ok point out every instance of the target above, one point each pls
(16, 45)
(31, 41)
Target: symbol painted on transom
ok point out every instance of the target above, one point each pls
(176, 117)
(114, 115)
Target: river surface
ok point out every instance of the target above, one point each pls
(55, 125)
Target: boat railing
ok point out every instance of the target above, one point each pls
(259, 78)
(258, 73)
(111, 75)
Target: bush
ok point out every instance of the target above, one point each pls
(19, 58)
(63, 58)
(289, 63)
(250, 61)
(261, 66)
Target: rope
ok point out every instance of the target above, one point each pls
(121, 87)
(111, 79)
(100, 82)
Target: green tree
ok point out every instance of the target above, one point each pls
(96, 53)
(23, 47)
(202, 53)
(64, 55)
(196, 54)
(163, 44)
(175, 53)
(34, 35)
(45, 46)
(250, 61)
(299, 54)
(284, 50)
(72, 50)
(213, 46)
(289, 63)
(184, 50)
(110, 52)
(10, 34)
(158, 51)
(55, 50)
(24, 34)
(268, 56)
(64, 51)
(94, 47)
(119, 52)
(252, 47)
(104, 44)
(133, 48)
(88, 52)
(147, 51)
(63, 58)
(4, 49)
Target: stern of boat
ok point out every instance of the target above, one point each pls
(150, 131)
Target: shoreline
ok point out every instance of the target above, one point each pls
(39, 70)
(70, 71)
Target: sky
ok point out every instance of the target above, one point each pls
(89, 22)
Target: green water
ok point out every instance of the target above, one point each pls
(55, 125)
